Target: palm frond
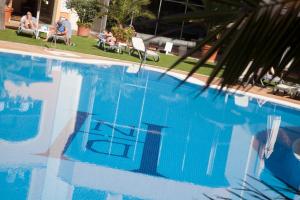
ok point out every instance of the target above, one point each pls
(121, 11)
(255, 33)
(260, 190)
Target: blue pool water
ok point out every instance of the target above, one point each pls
(85, 131)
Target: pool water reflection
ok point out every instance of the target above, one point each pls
(83, 131)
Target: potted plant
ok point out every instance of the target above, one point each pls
(87, 11)
(123, 34)
(8, 10)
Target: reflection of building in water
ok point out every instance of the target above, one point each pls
(19, 112)
(57, 108)
(273, 129)
(275, 149)
(118, 134)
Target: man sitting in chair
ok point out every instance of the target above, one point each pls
(28, 22)
(62, 30)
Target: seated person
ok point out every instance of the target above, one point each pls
(28, 22)
(102, 36)
(106, 37)
(111, 40)
(108, 34)
(63, 28)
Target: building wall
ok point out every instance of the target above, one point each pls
(60, 9)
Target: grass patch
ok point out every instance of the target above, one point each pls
(88, 46)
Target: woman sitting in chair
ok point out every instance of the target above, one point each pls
(28, 22)
(106, 38)
(111, 40)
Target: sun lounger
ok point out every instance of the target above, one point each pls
(109, 47)
(285, 88)
(106, 45)
(269, 79)
(139, 46)
(295, 92)
(56, 38)
(168, 47)
(250, 79)
(64, 38)
(25, 31)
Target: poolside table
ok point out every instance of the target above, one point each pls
(122, 47)
(43, 29)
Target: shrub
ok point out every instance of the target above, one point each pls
(123, 34)
(87, 10)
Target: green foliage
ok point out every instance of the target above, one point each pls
(123, 34)
(253, 34)
(121, 11)
(87, 10)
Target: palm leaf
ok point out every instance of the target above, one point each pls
(261, 35)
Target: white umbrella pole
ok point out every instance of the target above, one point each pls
(38, 13)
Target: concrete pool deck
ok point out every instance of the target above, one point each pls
(253, 91)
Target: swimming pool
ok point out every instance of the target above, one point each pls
(73, 130)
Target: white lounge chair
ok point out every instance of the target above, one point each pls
(295, 92)
(168, 47)
(139, 46)
(285, 88)
(25, 31)
(250, 79)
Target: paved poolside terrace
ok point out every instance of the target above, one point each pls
(253, 91)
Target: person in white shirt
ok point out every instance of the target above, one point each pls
(28, 21)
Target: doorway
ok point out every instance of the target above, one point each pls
(22, 6)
